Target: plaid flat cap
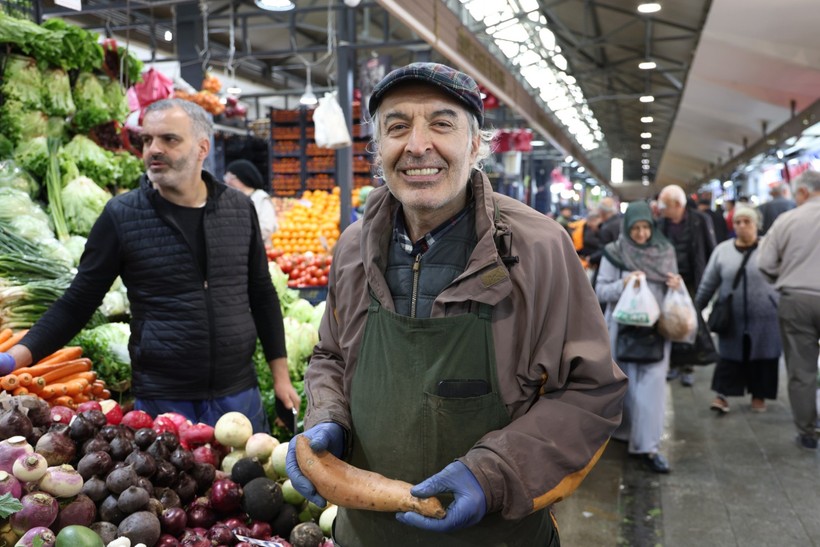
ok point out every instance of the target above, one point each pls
(457, 84)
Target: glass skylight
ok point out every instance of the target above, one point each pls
(521, 33)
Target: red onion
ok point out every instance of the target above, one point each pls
(39, 509)
(261, 530)
(200, 514)
(234, 522)
(167, 540)
(10, 485)
(11, 449)
(195, 540)
(173, 521)
(219, 534)
(226, 496)
(42, 533)
(29, 467)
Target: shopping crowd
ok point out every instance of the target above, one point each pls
(751, 271)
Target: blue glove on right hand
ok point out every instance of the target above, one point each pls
(328, 436)
(7, 363)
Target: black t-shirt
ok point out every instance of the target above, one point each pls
(187, 220)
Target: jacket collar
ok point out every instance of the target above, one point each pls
(215, 189)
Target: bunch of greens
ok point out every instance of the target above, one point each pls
(20, 124)
(265, 379)
(280, 283)
(79, 47)
(31, 38)
(6, 147)
(19, 207)
(300, 338)
(115, 99)
(22, 305)
(130, 168)
(107, 347)
(83, 201)
(115, 302)
(32, 155)
(92, 160)
(13, 176)
(23, 82)
(22, 261)
(92, 106)
(132, 67)
(57, 89)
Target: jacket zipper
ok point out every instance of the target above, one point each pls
(415, 296)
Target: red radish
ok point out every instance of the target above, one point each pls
(261, 530)
(112, 410)
(61, 414)
(89, 405)
(197, 434)
(163, 424)
(137, 419)
(206, 454)
(173, 521)
(178, 419)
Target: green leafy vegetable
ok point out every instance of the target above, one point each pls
(107, 347)
(92, 160)
(13, 176)
(54, 189)
(83, 201)
(31, 38)
(92, 107)
(79, 47)
(115, 99)
(23, 82)
(20, 124)
(32, 155)
(131, 169)
(57, 89)
(9, 505)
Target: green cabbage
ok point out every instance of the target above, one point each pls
(57, 89)
(20, 124)
(79, 48)
(83, 201)
(23, 82)
(17, 204)
(300, 339)
(75, 245)
(280, 283)
(115, 99)
(131, 169)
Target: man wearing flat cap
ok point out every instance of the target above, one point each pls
(463, 349)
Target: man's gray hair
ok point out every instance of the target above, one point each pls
(675, 192)
(201, 121)
(484, 144)
(808, 179)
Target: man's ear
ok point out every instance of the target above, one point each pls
(204, 148)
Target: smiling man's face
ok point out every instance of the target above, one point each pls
(426, 149)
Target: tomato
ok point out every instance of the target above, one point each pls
(323, 280)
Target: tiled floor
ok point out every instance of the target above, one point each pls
(737, 480)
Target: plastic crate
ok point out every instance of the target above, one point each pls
(314, 295)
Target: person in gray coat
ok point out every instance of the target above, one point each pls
(750, 350)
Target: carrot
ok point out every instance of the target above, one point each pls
(104, 394)
(342, 484)
(20, 391)
(66, 353)
(63, 400)
(24, 378)
(59, 373)
(97, 388)
(72, 387)
(81, 398)
(9, 382)
(37, 385)
(12, 340)
(5, 334)
(40, 368)
(53, 390)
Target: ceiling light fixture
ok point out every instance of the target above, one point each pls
(168, 35)
(647, 119)
(234, 90)
(308, 98)
(646, 146)
(538, 143)
(616, 170)
(275, 5)
(647, 98)
(646, 135)
(647, 65)
(649, 7)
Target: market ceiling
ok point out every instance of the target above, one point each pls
(722, 67)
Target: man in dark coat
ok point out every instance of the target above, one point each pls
(775, 207)
(692, 235)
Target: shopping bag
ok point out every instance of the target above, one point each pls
(701, 352)
(331, 127)
(638, 344)
(720, 319)
(678, 321)
(637, 306)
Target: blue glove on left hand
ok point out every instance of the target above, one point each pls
(328, 436)
(7, 363)
(467, 509)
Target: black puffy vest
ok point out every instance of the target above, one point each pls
(192, 333)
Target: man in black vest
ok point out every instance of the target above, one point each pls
(190, 253)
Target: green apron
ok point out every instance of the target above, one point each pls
(403, 430)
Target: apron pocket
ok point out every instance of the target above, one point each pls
(452, 425)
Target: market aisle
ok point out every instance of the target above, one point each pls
(737, 480)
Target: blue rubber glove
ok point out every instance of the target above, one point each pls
(467, 509)
(328, 436)
(7, 363)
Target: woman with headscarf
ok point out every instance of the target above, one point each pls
(640, 250)
(750, 349)
(245, 177)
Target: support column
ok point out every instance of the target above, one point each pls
(189, 41)
(346, 62)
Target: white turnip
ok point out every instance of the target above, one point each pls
(233, 429)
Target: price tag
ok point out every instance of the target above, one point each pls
(260, 542)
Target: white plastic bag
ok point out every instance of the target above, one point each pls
(678, 321)
(331, 127)
(637, 306)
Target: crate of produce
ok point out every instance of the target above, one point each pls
(314, 295)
